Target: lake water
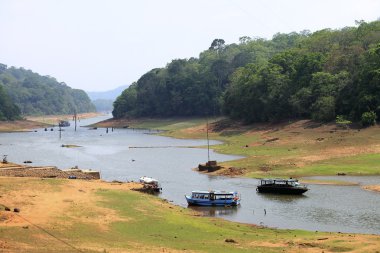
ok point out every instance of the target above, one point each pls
(126, 154)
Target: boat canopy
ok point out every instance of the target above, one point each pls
(148, 180)
(214, 192)
(290, 181)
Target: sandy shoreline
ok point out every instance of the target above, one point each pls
(54, 119)
(21, 125)
(374, 188)
(33, 122)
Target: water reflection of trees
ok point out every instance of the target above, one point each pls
(215, 211)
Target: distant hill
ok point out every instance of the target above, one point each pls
(34, 94)
(103, 105)
(103, 100)
(109, 94)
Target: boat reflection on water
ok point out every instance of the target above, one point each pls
(282, 198)
(215, 211)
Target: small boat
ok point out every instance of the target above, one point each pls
(209, 166)
(150, 184)
(213, 198)
(64, 123)
(281, 186)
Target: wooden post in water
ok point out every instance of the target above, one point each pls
(60, 131)
(75, 120)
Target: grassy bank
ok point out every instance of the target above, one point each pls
(300, 148)
(92, 216)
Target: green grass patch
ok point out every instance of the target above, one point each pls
(157, 224)
(367, 164)
(170, 124)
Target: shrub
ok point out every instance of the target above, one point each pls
(369, 118)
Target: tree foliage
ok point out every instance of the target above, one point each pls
(40, 95)
(298, 75)
(8, 110)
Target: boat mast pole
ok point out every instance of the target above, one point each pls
(208, 142)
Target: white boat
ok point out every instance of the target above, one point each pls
(148, 180)
(150, 183)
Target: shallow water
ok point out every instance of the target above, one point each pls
(126, 154)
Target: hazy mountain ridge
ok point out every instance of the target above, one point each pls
(107, 95)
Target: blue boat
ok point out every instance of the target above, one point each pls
(213, 198)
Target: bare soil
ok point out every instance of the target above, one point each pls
(42, 207)
(116, 123)
(20, 125)
(375, 188)
(54, 119)
(33, 202)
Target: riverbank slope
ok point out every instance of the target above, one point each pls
(287, 149)
(61, 215)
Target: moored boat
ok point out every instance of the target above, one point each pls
(64, 123)
(281, 186)
(213, 198)
(150, 184)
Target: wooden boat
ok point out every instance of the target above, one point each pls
(213, 198)
(209, 166)
(150, 184)
(281, 186)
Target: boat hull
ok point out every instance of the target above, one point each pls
(206, 202)
(281, 190)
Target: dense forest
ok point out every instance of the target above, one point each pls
(24, 92)
(8, 110)
(318, 75)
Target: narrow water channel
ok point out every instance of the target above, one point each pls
(127, 154)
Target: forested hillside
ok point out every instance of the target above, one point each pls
(40, 95)
(8, 110)
(316, 75)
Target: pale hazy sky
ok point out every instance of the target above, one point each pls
(101, 44)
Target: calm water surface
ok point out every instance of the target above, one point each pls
(126, 154)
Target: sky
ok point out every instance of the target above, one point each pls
(98, 45)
